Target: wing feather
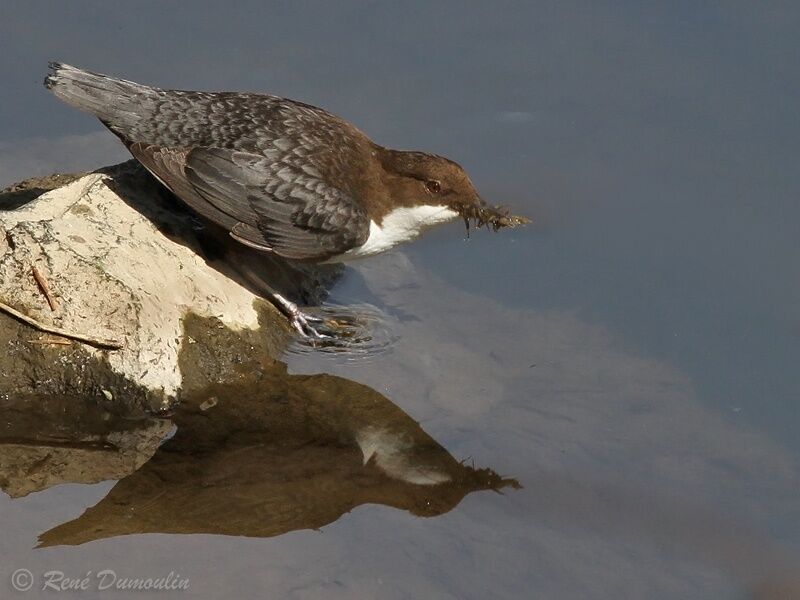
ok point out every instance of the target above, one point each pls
(299, 215)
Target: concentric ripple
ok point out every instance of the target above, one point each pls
(354, 333)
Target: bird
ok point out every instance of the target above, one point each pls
(280, 176)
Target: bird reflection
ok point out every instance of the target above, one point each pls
(257, 458)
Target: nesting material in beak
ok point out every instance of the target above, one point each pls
(492, 217)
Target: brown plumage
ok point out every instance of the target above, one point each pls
(279, 175)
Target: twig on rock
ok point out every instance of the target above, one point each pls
(53, 341)
(86, 339)
(43, 285)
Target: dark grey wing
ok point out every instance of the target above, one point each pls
(282, 207)
(167, 165)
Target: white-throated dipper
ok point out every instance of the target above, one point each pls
(281, 176)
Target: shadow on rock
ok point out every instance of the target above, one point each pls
(255, 270)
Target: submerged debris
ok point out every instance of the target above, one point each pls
(209, 403)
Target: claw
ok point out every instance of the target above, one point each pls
(301, 323)
(300, 320)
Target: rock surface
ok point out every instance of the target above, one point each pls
(125, 262)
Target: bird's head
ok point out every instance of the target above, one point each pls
(418, 178)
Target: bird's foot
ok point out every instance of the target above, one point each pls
(300, 321)
(346, 332)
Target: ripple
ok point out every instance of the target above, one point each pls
(359, 333)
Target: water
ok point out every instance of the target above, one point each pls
(350, 333)
(630, 358)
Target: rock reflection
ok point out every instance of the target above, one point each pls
(45, 441)
(285, 452)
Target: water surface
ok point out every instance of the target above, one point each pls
(630, 359)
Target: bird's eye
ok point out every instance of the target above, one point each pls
(433, 186)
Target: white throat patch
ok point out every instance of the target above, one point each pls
(400, 225)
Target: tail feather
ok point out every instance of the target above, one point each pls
(112, 100)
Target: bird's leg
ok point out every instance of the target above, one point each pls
(255, 280)
(299, 320)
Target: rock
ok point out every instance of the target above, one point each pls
(23, 192)
(125, 261)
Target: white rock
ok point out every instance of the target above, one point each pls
(115, 276)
